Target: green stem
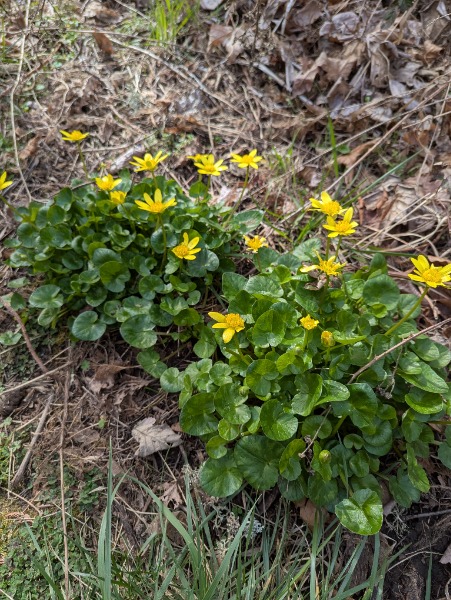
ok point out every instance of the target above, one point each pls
(163, 260)
(82, 158)
(338, 248)
(327, 247)
(236, 205)
(411, 311)
(3, 199)
(259, 264)
(338, 425)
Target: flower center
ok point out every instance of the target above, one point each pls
(157, 207)
(342, 226)
(234, 321)
(328, 268)
(182, 250)
(331, 208)
(433, 275)
(255, 244)
(209, 168)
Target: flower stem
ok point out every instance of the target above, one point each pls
(82, 159)
(3, 199)
(338, 248)
(411, 311)
(236, 205)
(327, 247)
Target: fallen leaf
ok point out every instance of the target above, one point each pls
(350, 159)
(30, 149)
(210, 4)
(104, 377)
(446, 558)
(154, 438)
(103, 42)
(307, 512)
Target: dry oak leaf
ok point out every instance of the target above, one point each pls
(154, 438)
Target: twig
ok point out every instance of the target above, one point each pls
(24, 464)
(180, 72)
(11, 103)
(30, 381)
(19, 321)
(427, 514)
(398, 345)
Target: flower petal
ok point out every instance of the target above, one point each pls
(217, 316)
(228, 335)
(193, 243)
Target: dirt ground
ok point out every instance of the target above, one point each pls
(351, 95)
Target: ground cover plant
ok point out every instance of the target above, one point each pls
(350, 98)
(139, 255)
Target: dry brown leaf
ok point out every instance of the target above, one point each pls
(307, 512)
(172, 494)
(104, 377)
(30, 149)
(299, 19)
(103, 42)
(154, 438)
(342, 27)
(446, 558)
(350, 159)
(218, 35)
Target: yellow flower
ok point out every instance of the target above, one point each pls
(3, 183)
(327, 338)
(187, 249)
(117, 197)
(148, 163)
(231, 323)
(247, 160)
(308, 323)
(196, 157)
(255, 243)
(329, 267)
(156, 206)
(107, 182)
(345, 227)
(429, 274)
(326, 205)
(206, 165)
(73, 136)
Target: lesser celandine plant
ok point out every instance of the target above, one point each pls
(138, 254)
(326, 388)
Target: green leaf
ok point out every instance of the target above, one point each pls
(427, 380)
(171, 381)
(294, 490)
(322, 492)
(187, 317)
(290, 363)
(220, 477)
(416, 473)
(46, 296)
(138, 332)
(216, 447)
(402, 489)
(151, 285)
(96, 295)
(196, 416)
(151, 363)
(289, 464)
(227, 430)
(206, 345)
(423, 402)
(269, 329)
(232, 283)
(247, 220)
(381, 290)
(444, 454)
(230, 404)
(362, 513)
(334, 391)
(278, 423)
(259, 375)
(316, 426)
(309, 388)
(87, 326)
(258, 459)
(261, 286)
(198, 190)
(10, 338)
(114, 275)
(220, 373)
(205, 261)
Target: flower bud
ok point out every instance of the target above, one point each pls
(327, 339)
(324, 456)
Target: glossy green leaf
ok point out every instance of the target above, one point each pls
(87, 327)
(257, 457)
(220, 477)
(46, 296)
(197, 415)
(362, 513)
(138, 332)
(277, 421)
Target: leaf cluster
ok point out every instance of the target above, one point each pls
(111, 265)
(284, 409)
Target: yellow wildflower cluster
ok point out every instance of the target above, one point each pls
(231, 323)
